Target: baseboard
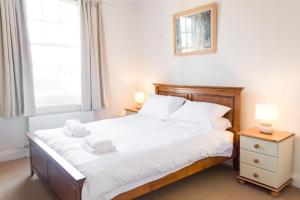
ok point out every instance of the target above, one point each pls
(13, 154)
(296, 180)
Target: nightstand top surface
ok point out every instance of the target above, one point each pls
(133, 109)
(277, 136)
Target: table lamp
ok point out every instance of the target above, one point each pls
(266, 114)
(139, 99)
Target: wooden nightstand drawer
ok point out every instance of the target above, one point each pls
(258, 160)
(259, 146)
(259, 175)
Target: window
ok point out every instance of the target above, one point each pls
(54, 30)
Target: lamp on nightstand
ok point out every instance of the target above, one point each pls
(139, 99)
(266, 114)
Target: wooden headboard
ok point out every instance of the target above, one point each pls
(227, 96)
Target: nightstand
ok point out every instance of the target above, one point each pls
(130, 111)
(266, 160)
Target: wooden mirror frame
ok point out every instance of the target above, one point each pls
(213, 49)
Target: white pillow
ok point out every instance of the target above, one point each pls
(222, 124)
(158, 106)
(196, 112)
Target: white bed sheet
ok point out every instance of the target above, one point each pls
(147, 149)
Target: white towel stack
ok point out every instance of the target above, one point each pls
(73, 128)
(98, 145)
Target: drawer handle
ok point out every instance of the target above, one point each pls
(255, 175)
(256, 161)
(256, 146)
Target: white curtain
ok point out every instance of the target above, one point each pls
(93, 56)
(16, 79)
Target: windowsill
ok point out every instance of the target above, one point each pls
(44, 110)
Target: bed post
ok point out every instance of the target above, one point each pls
(30, 157)
(236, 130)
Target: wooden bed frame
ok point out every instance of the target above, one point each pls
(66, 181)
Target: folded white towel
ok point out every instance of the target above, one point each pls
(70, 133)
(97, 141)
(75, 125)
(99, 150)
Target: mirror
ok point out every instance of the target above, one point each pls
(195, 31)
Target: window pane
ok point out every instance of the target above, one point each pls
(53, 33)
(188, 24)
(57, 75)
(50, 10)
(71, 12)
(36, 31)
(189, 39)
(70, 34)
(34, 9)
(183, 40)
(182, 24)
(55, 44)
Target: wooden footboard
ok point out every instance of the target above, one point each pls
(66, 181)
(59, 175)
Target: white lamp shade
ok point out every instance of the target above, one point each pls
(266, 113)
(139, 97)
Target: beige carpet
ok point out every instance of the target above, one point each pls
(217, 183)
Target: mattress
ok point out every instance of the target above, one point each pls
(147, 149)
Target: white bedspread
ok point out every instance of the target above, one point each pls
(147, 149)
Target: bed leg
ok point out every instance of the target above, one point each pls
(31, 169)
(236, 164)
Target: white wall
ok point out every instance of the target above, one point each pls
(258, 48)
(12, 135)
(120, 33)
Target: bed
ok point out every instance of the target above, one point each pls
(67, 182)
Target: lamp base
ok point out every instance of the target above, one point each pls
(138, 106)
(265, 129)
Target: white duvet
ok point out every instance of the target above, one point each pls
(147, 149)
